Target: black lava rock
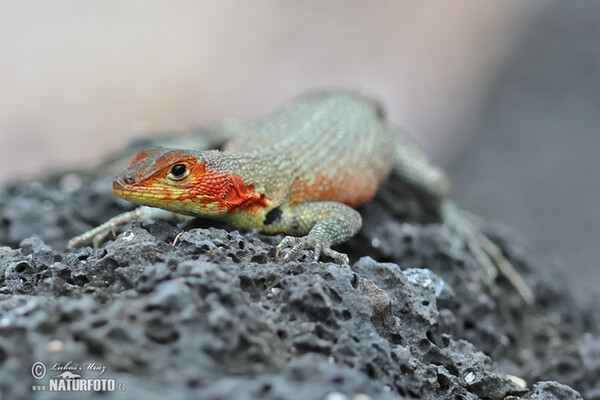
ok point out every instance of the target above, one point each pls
(216, 317)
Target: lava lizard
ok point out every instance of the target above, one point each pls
(299, 170)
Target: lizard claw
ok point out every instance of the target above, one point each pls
(318, 244)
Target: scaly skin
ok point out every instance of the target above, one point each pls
(299, 170)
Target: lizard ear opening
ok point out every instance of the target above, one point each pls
(239, 196)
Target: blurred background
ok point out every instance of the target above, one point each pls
(505, 95)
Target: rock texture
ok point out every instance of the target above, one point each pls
(215, 317)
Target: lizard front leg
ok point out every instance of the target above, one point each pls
(320, 225)
(99, 233)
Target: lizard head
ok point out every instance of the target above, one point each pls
(183, 182)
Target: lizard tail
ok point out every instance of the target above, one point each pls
(414, 166)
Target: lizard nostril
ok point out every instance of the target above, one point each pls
(128, 180)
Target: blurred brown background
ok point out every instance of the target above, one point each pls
(472, 81)
(77, 79)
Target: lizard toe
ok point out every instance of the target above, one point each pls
(288, 241)
(99, 238)
(336, 255)
(298, 244)
(293, 251)
(317, 250)
(315, 243)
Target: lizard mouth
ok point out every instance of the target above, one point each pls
(118, 184)
(121, 190)
(127, 189)
(123, 187)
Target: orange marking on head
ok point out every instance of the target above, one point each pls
(172, 158)
(229, 190)
(138, 157)
(202, 191)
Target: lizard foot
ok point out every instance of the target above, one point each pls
(487, 253)
(99, 233)
(319, 244)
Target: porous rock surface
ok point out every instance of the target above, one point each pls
(216, 317)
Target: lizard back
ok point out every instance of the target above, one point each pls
(329, 146)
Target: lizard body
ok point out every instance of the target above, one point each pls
(299, 170)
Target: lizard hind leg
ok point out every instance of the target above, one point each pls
(487, 253)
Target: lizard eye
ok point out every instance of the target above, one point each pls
(178, 172)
